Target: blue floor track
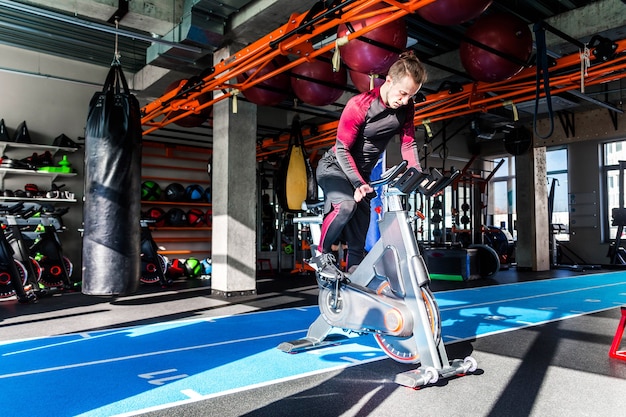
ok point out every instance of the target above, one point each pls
(131, 370)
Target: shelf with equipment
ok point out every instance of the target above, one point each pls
(39, 199)
(176, 203)
(27, 148)
(42, 175)
(16, 170)
(36, 175)
(176, 195)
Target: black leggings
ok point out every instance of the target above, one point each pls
(343, 217)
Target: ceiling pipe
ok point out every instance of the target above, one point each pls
(95, 26)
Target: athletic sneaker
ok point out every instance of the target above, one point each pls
(326, 266)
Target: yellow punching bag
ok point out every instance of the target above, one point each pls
(296, 179)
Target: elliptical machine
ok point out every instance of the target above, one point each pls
(388, 295)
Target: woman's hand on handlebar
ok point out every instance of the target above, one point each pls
(362, 191)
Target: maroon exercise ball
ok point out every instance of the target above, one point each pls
(278, 87)
(320, 93)
(194, 119)
(362, 82)
(503, 32)
(367, 58)
(453, 12)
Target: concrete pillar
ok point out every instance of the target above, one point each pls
(533, 233)
(234, 196)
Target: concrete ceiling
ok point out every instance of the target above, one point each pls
(162, 41)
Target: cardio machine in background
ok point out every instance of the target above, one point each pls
(153, 264)
(32, 231)
(18, 272)
(46, 249)
(388, 295)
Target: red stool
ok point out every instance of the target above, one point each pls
(617, 339)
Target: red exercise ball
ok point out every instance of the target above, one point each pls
(503, 32)
(362, 81)
(194, 119)
(315, 93)
(278, 86)
(371, 59)
(453, 12)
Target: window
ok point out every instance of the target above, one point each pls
(501, 209)
(556, 167)
(612, 154)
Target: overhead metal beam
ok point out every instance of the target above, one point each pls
(92, 25)
(296, 39)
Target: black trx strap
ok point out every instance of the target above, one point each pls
(542, 69)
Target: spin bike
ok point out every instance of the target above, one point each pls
(17, 276)
(153, 264)
(388, 295)
(56, 268)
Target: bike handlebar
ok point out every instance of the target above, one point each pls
(426, 183)
(12, 209)
(389, 175)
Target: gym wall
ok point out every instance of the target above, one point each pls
(52, 95)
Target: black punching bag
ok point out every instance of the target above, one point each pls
(111, 239)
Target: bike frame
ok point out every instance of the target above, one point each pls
(405, 322)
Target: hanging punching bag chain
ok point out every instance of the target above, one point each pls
(116, 54)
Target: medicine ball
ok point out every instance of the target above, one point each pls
(453, 12)
(207, 194)
(175, 192)
(150, 191)
(271, 91)
(193, 267)
(504, 33)
(207, 264)
(316, 83)
(195, 217)
(377, 55)
(176, 217)
(208, 216)
(194, 192)
(176, 268)
(157, 214)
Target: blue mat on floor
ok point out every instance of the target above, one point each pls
(132, 370)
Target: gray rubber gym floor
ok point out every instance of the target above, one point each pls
(557, 369)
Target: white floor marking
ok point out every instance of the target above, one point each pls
(144, 355)
(160, 381)
(530, 297)
(191, 394)
(69, 342)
